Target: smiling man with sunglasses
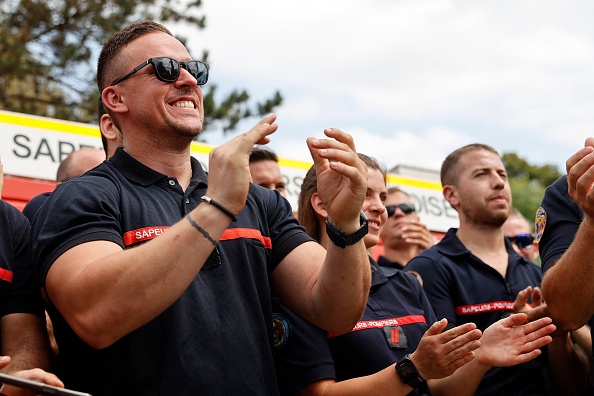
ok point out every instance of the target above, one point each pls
(157, 275)
(403, 235)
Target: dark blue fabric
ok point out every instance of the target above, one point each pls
(19, 289)
(454, 278)
(563, 218)
(309, 353)
(216, 338)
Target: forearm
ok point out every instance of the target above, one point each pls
(571, 306)
(384, 382)
(463, 382)
(340, 293)
(567, 367)
(114, 293)
(24, 339)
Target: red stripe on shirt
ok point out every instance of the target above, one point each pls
(143, 234)
(5, 275)
(485, 307)
(381, 323)
(237, 233)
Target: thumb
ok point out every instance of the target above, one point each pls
(522, 298)
(259, 132)
(437, 327)
(514, 320)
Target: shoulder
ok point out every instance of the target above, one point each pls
(13, 220)
(427, 259)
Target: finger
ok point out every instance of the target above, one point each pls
(514, 320)
(258, 134)
(526, 357)
(580, 174)
(577, 157)
(522, 298)
(332, 150)
(437, 327)
(538, 312)
(4, 361)
(458, 331)
(589, 142)
(538, 325)
(462, 360)
(464, 343)
(537, 344)
(341, 137)
(536, 297)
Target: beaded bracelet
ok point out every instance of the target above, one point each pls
(211, 201)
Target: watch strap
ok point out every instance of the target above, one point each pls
(408, 373)
(343, 240)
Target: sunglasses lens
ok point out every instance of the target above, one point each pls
(524, 240)
(199, 71)
(166, 69)
(406, 208)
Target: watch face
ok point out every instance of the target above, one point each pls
(406, 370)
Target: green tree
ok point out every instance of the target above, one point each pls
(528, 182)
(48, 51)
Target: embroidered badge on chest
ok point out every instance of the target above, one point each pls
(281, 330)
(540, 222)
(395, 337)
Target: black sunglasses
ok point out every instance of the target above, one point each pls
(406, 208)
(524, 241)
(168, 69)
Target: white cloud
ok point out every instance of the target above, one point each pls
(413, 77)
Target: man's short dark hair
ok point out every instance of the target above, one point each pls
(450, 169)
(108, 66)
(259, 154)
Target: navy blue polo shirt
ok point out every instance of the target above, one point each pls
(397, 315)
(558, 220)
(216, 339)
(19, 289)
(464, 289)
(34, 204)
(384, 262)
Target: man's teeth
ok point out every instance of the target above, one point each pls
(184, 104)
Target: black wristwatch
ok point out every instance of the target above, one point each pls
(408, 373)
(343, 240)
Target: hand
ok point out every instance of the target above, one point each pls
(229, 170)
(34, 375)
(538, 309)
(342, 178)
(580, 177)
(440, 354)
(507, 342)
(416, 233)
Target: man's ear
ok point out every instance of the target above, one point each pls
(107, 128)
(113, 101)
(318, 206)
(450, 193)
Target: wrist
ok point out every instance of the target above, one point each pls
(408, 373)
(343, 239)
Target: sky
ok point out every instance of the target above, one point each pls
(411, 80)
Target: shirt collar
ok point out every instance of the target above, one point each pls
(139, 173)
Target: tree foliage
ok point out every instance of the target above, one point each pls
(528, 182)
(48, 51)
